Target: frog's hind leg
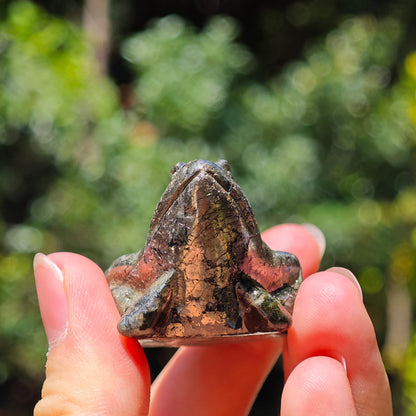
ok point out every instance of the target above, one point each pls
(261, 311)
(150, 314)
(271, 269)
(118, 276)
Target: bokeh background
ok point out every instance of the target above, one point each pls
(312, 102)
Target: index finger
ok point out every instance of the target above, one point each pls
(225, 379)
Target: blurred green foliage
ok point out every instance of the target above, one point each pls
(328, 140)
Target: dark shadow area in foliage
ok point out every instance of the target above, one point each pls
(24, 175)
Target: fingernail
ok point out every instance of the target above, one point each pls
(318, 235)
(344, 364)
(336, 355)
(350, 275)
(51, 296)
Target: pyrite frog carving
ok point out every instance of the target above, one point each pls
(205, 274)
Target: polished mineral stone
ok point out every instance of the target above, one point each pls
(204, 275)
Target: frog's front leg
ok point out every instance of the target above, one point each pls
(261, 311)
(150, 313)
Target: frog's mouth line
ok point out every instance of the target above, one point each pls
(229, 186)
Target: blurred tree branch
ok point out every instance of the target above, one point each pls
(97, 26)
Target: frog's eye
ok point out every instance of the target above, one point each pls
(176, 168)
(224, 165)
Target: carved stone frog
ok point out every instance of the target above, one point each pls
(205, 275)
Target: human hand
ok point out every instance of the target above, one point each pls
(91, 369)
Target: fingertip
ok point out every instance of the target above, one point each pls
(52, 300)
(330, 289)
(88, 296)
(318, 386)
(67, 261)
(324, 297)
(349, 275)
(318, 236)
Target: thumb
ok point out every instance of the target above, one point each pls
(90, 369)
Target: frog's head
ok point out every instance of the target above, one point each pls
(183, 173)
(216, 177)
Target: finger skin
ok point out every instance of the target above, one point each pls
(92, 370)
(225, 379)
(318, 386)
(329, 319)
(212, 380)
